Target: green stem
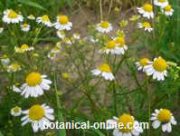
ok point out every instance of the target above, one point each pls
(61, 132)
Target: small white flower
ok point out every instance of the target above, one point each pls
(146, 26)
(104, 70)
(35, 85)
(38, 116)
(104, 27)
(157, 68)
(16, 111)
(167, 10)
(63, 23)
(5, 61)
(14, 67)
(142, 63)
(25, 27)
(10, 16)
(161, 3)
(146, 11)
(125, 125)
(16, 89)
(44, 20)
(23, 48)
(163, 117)
(31, 17)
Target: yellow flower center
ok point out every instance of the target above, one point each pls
(16, 109)
(120, 41)
(146, 25)
(12, 14)
(33, 79)
(24, 47)
(126, 123)
(25, 25)
(104, 24)
(164, 115)
(168, 8)
(144, 61)
(161, 1)
(36, 112)
(104, 68)
(65, 75)
(63, 19)
(148, 7)
(111, 44)
(160, 64)
(45, 18)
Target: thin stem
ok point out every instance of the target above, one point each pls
(114, 98)
(110, 7)
(101, 10)
(61, 132)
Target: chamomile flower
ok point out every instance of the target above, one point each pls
(38, 116)
(10, 16)
(14, 67)
(111, 48)
(16, 111)
(54, 51)
(146, 26)
(120, 42)
(31, 17)
(23, 48)
(104, 27)
(142, 63)
(16, 89)
(25, 27)
(63, 23)
(157, 68)
(164, 117)
(35, 85)
(104, 71)
(146, 11)
(167, 10)
(44, 20)
(161, 3)
(124, 125)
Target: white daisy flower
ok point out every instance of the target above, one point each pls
(10, 16)
(157, 68)
(104, 71)
(31, 17)
(16, 111)
(120, 42)
(104, 27)
(125, 125)
(23, 48)
(146, 11)
(164, 117)
(25, 27)
(161, 3)
(1, 29)
(35, 85)
(38, 115)
(63, 23)
(14, 67)
(44, 20)
(142, 63)
(111, 48)
(146, 26)
(167, 10)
